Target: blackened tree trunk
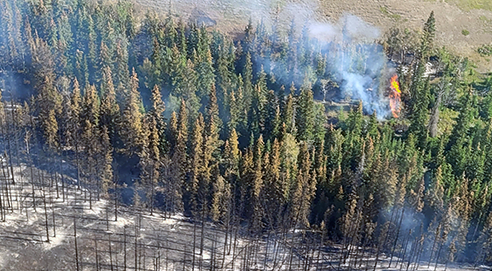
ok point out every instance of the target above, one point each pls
(53, 214)
(110, 252)
(46, 218)
(97, 255)
(75, 242)
(124, 248)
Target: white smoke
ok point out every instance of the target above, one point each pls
(356, 61)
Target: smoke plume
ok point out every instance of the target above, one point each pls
(355, 60)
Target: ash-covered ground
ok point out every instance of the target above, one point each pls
(63, 225)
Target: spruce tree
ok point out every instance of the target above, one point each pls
(157, 114)
(131, 133)
(106, 165)
(247, 76)
(272, 117)
(90, 106)
(288, 115)
(204, 67)
(50, 130)
(196, 164)
(109, 109)
(275, 186)
(257, 186)
(419, 89)
(172, 132)
(220, 195)
(180, 157)
(212, 110)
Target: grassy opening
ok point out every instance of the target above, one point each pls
(472, 4)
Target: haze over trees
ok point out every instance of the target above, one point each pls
(232, 130)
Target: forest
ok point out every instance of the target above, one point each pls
(270, 132)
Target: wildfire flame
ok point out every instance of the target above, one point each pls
(395, 97)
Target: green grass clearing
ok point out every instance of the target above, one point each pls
(472, 4)
(389, 14)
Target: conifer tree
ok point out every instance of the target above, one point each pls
(81, 69)
(256, 115)
(220, 195)
(257, 186)
(306, 188)
(50, 130)
(232, 154)
(121, 70)
(288, 114)
(419, 89)
(189, 85)
(192, 41)
(170, 33)
(272, 117)
(428, 35)
(247, 76)
(172, 132)
(234, 112)
(181, 37)
(174, 68)
(212, 110)
(157, 114)
(204, 67)
(106, 171)
(459, 138)
(73, 115)
(196, 163)
(231, 166)
(132, 119)
(275, 186)
(90, 106)
(150, 158)
(105, 59)
(180, 157)
(109, 109)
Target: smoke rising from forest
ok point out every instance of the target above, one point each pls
(359, 63)
(355, 60)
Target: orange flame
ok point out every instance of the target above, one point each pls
(395, 96)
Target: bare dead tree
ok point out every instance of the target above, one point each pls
(116, 195)
(75, 242)
(46, 218)
(136, 246)
(436, 237)
(194, 246)
(53, 214)
(97, 256)
(397, 236)
(107, 218)
(110, 251)
(124, 248)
